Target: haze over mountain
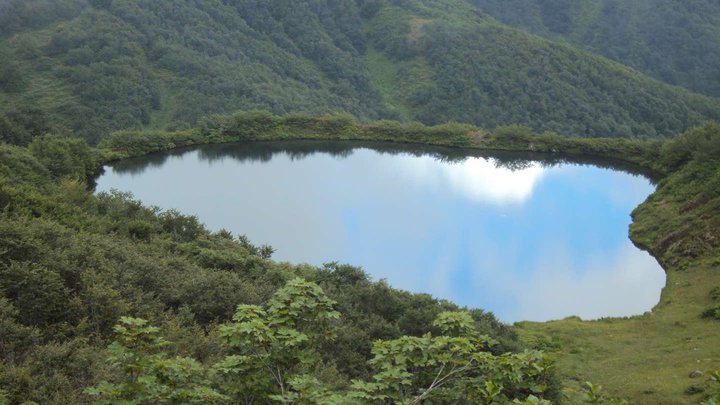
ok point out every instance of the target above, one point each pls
(93, 67)
(677, 42)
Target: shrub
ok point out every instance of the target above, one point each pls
(712, 312)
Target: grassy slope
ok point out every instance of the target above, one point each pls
(647, 358)
(384, 74)
(143, 64)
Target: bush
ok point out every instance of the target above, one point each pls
(65, 157)
(712, 313)
(249, 125)
(13, 134)
(715, 294)
(141, 229)
(137, 143)
(700, 143)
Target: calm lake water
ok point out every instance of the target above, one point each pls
(525, 237)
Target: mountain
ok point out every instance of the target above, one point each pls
(93, 67)
(462, 65)
(129, 64)
(677, 42)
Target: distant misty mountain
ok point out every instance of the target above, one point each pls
(677, 42)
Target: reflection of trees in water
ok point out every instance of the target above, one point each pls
(261, 152)
(297, 150)
(264, 151)
(523, 160)
(138, 165)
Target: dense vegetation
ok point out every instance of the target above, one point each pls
(103, 65)
(462, 65)
(93, 67)
(676, 42)
(274, 356)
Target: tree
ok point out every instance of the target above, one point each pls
(454, 367)
(274, 356)
(64, 156)
(38, 293)
(148, 375)
(272, 345)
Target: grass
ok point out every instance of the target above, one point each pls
(647, 359)
(161, 117)
(383, 73)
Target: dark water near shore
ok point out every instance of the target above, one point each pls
(525, 236)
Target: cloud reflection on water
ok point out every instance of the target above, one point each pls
(619, 283)
(479, 179)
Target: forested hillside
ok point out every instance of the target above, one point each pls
(461, 65)
(93, 67)
(677, 42)
(129, 64)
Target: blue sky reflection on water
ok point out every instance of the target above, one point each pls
(536, 243)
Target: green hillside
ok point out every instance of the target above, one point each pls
(461, 65)
(92, 67)
(677, 42)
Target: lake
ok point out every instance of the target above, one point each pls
(528, 237)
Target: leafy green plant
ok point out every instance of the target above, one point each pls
(714, 398)
(532, 400)
(274, 355)
(449, 368)
(147, 374)
(712, 312)
(593, 395)
(274, 344)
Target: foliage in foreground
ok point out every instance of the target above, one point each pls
(272, 355)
